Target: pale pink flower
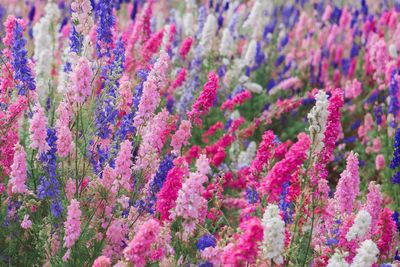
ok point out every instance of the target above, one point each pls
(26, 223)
(38, 130)
(124, 164)
(82, 16)
(72, 224)
(348, 186)
(139, 250)
(380, 162)
(70, 189)
(181, 136)
(64, 141)
(18, 175)
(102, 261)
(125, 94)
(374, 203)
(81, 78)
(150, 99)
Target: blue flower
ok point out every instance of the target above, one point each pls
(106, 114)
(22, 73)
(332, 241)
(396, 153)
(335, 16)
(76, 41)
(49, 185)
(349, 140)
(104, 28)
(393, 106)
(205, 264)
(356, 124)
(31, 13)
(156, 185)
(396, 178)
(134, 10)
(206, 241)
(395, 217)
(252, 195)
(285, 206)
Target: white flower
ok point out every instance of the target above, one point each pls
(360, 226)
(367, 254)
(208, 34)
(317, 119)
(245, 157)
(46, 36)
(188, 23)
(225, 47)
(166, 37)
(337, 260)
(254, 16)
(392, 51)
(274, 234)
(253, 87)
(250, 56)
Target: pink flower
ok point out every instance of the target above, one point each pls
(64, 141)
(331, 134)
(387, 233)
(102, 261)
(81, 78)
(380, 162)
(169, 192)
(236, 100)
(139, 249)
(18, 175)
(353, 89)
(123, 164)
(246, 248)
(202, 165)
(190, 204)
(72, 224)
(211, 131)
(181, 136)
(206, 99)
(115, 235)
(70, 189)
(282, 171)
(185, 47)
(81, 16)
(38, 130)
(150, 99)
(64, 113)
(348, 187)
(264, 152)
(333, 124)
(152, 45)
(179, 80)
(374, 203)
(26, 223)
(125, 95)
(154, 136)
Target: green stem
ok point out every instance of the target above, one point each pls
(312, 228)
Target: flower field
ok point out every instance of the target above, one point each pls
(202, 133)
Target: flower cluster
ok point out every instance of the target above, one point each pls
(200, 133)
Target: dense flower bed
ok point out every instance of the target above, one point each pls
(199, 133)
